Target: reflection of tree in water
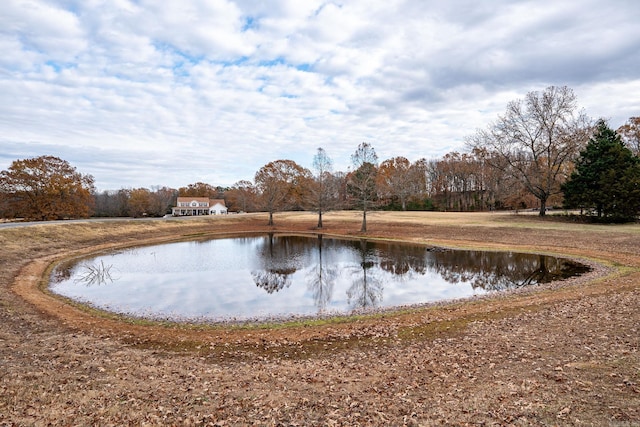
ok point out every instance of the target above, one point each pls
(485, 270)
(95, 274)
(402, 259)
(321, 279)
(496, 271)
(86, 273)
(278, 259)
(272, 280)
(366, 289)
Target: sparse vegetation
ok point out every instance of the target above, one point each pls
(564, 354)
(98, 274)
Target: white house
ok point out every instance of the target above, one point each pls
(192, 206)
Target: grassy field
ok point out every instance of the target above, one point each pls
(562, 354)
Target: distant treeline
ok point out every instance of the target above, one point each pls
(541, 153)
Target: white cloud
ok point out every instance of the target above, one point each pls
(140, 93)
(52, 32)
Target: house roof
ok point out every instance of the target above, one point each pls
(211, 202)
(191, 199)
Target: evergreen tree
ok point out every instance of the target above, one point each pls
(606, 179)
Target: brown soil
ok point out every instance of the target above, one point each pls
(563, 354)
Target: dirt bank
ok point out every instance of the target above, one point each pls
(566, 354)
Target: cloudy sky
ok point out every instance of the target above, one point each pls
(141, 93)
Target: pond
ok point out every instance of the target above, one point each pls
(278, 276)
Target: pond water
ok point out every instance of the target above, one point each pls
(278, 276)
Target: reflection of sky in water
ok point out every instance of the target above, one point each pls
(216, 279)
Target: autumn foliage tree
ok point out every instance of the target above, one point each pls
(399, 179)
(281, 184)
(139, 202)
(201, 189)
(44, 188)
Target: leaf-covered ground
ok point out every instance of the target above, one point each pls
(563, 354)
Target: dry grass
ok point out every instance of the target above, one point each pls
(563, 355)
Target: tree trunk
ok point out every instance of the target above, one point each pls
(319, 218)
(363, 229)
(270, 218)
(543, 207)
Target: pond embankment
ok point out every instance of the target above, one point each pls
(568, 354)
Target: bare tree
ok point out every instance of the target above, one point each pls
(465, 181)
(322, 193)
(162, 199)
(242, 196)
(630, 134)
(537, 140)
(362, 181)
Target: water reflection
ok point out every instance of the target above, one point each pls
(88, 274)
(404, 259)
(498, 271)
(321, 279)
(278, 275)
(95, 274)
(278, 259)
(366, 289)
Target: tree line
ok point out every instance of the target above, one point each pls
(542, 152)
